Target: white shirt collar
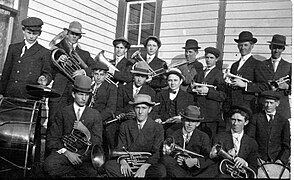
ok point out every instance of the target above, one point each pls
(142, 123)
(277, 60)
(151, 57)
(172, 96)
(28, 45)
(238, 135)
(246, 57)
(268, 115)
(76, 107)
(185, 133)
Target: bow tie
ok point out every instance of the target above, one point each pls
(172, 92)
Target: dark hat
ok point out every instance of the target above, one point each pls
(245, 36)
(100, 66)
(270, 95)
(191, 44)
(279, 40)
(243, 108)
(32, 23)
(75, 27)
(142, 99)
(154, 38)
(192, 113)
(175, 71)
(141, 68)
(121, 39)
(82, 83)
(213, 51)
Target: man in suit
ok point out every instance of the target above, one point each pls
(193, 67)
(236, 144)
(188, 138)
(62, 84)
(63, 161)
(104, 98)
(140, 134)
(210, 99)
(172, 101)
(271, 131)
(26, 62)
(123, 64)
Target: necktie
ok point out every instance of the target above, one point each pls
(25, 48)
(136, 92)
(187, 139)
(236, 144)
(271, 117)
(242, 61)
(139, 127)
(78, 114)
(149, 60)
(206, 72)
(275, 64)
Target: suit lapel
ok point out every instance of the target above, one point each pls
(35, 48)
(129, 91)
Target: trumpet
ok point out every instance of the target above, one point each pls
(275, 83)
(229, 77)
(195, 84)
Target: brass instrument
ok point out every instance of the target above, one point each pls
(134, 159)
(93, 95)
(227, 165)
(195, 84)
(137, 56)
(275, 83)
(72, 63)
(121, 117)
(229, 77)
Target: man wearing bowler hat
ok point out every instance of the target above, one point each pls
(62, 160)
(271, 131)
(193, 67)
(190, 138)
(26, 62)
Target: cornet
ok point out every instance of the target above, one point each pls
(275, 83)
(230, 77)
(195, 84)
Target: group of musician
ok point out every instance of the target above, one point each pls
(152, 119)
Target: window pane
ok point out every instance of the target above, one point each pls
(135, 10)
(133, 31)
(147, 30)
(148, 13)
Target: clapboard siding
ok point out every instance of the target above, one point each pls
(97, 18)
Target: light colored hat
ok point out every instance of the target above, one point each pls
(142, 99)
(175, 71)
(75, 27)
(82, 83)
(141, 68)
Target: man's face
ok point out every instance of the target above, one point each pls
(190, 54)
(73, 37)
(80, 98)
(245, 48)
(210, 59)
(99, 76)
(151, 47)
(120, 50)
(174, 81)
(189, 126)
(139, 80)
(238, 122)
(276, 50)
(30, 36)
(142, 111)
(270, 105)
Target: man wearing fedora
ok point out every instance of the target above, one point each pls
(62, 162)
(27, 62)
(210, 99)
(190, 138)
(62, 84)
(139, 134)
(193, 67)
(271, 131)
(123, 64)
(172, 101)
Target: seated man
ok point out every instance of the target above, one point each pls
(191, 139)
(63, 161)
(234, 145)
(141, 134)
(271, 131)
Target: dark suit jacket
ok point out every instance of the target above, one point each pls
(161, 111)
(63, 125)
(125, 95)
(186, 70)
(123, 75)
(105, 100)
(149, 139)
(212, 102)
(273, 137)
(21, 71)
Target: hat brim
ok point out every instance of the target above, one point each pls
(192, 47)
(177, 73)
(143, 102)
(279, 44)
(116, 40)
(73, 31)
(254, 40)
(140, 72)
(192, 118)
(33, 28)
(82, 90)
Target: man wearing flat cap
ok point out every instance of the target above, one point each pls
(63, 161)
(139, 134)
(193, 67)
(271, 131)
(26, 62)
(209, 99)
(190, 138)
(63, 84)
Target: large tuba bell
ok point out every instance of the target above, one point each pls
(61, 46)
(227, 165)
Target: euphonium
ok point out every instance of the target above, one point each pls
(227, 165)
(73, 62)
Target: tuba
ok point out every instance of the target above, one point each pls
(227, 165)
(61, 46)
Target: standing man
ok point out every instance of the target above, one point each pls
(193, 67)
(62, 162)
(140, 134)
(62, 84)
(191, 139)
(271, 131)
(26, 62)
(210, 99)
